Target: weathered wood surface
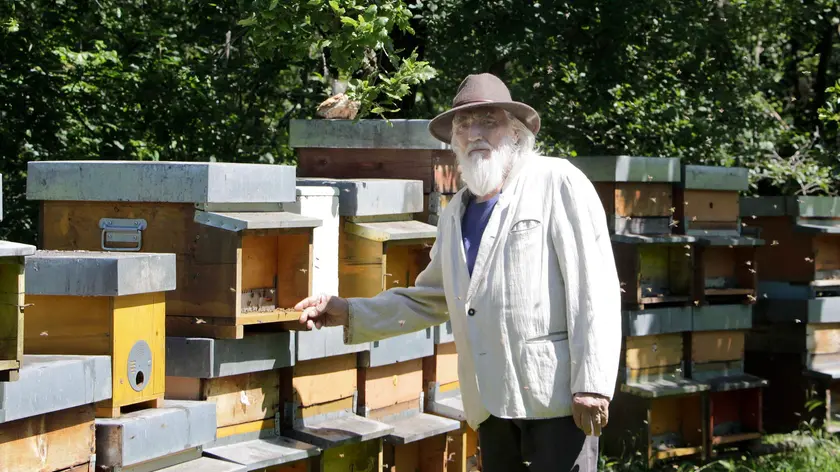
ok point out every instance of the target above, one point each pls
(49, 442)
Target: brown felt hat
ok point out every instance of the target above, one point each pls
(481, 90)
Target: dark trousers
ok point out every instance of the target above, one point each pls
(536, 445)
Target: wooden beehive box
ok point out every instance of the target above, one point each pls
(242, 261)
(242, 377)
(443, 398)
(707, 203)
(98, 303)
(717, 352)
(657, 410)
(802, 236)
(637, 192)
(322, 202)
(12, 283)
(377, 149)
(655, 265)
(799, 284)
(381, 247)
(47, 416)
(173, 435)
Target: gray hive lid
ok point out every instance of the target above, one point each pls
(448, 405)
(153, 433)
(261, 453)
(11, 249)
(373, 197)
(736, 382)
(629, 168)
(338, 429)
(90, 273)
(363, 134)
(393, 230)
(413, 428)
(695, 177)
(797, 207)
(50, 383)
(255, 220)
(664, 388)
(173, 182)
(206, 358)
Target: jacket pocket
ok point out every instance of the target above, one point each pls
(546, 375)
(525, 225)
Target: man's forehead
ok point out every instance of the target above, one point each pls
(477, 113)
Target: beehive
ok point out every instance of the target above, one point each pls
(443, 398)
(378, 149)
(157, 438)
(382, 247)
(12, 283)
(717, 358)
(707, 203)
(242, 377)
(655, 266)
(799, 284)
(322, 202)
(97, 303)
(47, 416)
(657, 410)
(242, 261)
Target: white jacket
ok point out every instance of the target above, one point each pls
(540, 319)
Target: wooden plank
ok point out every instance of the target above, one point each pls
(299, 466)
(242, 398)
(442, 368)
(206, 290)
(389, 385)
(245, 428)
(412, 164)
(719, 262)
(826, 252)
(324, 380)
(403, 263)
(702, 206)
(294, 268)
(654, 351)
(823, 338)
(68, 325)
(606, 193)
(12, 297)
(637, 199)
(717, 346)
(361, 266)
(787, 255)
(666, 416)
(54, 441)
(135, 318)
(259, 262)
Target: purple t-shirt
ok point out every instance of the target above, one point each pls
(473, 223)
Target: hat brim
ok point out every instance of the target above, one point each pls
(441, 126)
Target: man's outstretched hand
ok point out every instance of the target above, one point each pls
(591, 412)
(323, 310)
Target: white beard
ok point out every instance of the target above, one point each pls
(484, 176)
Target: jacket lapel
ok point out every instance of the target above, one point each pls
(460, 254)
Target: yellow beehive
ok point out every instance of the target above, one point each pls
(96, 303)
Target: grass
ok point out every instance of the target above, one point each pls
(808, 450)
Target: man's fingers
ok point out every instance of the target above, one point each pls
(307, 302)
(576, 417)
(586, 420)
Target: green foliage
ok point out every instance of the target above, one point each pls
(180, 80)
(722, 83)
(351, 38)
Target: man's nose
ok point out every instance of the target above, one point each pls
(475, 132)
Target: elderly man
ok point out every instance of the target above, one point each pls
(523, 267)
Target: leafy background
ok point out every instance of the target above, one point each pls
(723, 82)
